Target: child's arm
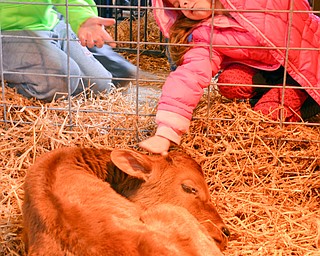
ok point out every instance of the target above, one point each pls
(181, 93)
(78, 11)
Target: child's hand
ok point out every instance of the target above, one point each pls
(92, 32)
(156, 144)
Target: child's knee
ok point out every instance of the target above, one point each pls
(47, 91)
(238, 79)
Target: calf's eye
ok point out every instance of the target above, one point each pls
(189, 189)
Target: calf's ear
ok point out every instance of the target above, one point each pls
(132, 163)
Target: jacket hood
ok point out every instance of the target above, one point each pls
(163, 16)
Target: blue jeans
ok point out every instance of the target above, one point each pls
(36, 63)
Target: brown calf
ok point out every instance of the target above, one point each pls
(81, 201)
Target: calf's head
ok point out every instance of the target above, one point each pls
(176, 179)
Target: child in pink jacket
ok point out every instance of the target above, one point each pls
(257, 45)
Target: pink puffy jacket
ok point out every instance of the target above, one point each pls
(277, 31)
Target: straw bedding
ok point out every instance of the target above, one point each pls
(264, 177)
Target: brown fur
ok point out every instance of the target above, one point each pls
(81, 201)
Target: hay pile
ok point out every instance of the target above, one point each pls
(263, 177)
(145, 34)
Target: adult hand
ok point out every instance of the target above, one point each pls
(92, 32)
(156, 144)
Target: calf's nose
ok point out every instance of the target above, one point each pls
(226, 231)
(219, 232)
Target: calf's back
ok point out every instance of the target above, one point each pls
(91, 201)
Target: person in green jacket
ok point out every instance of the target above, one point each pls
(54, 47)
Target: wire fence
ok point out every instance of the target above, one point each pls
(135, 39)
(262, 174)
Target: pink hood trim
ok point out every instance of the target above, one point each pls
(164, 17)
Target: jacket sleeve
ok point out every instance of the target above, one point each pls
(78, 11)
(183, 90)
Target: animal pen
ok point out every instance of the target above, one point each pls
(264, 176)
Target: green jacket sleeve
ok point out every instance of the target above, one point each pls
(78, 11)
